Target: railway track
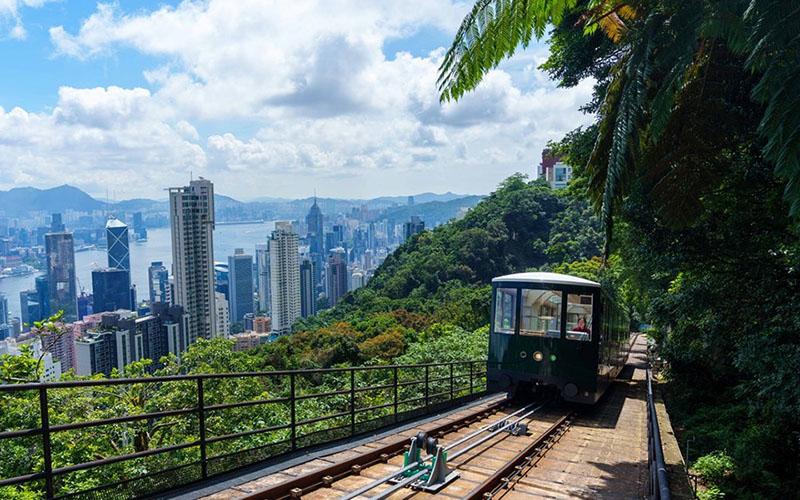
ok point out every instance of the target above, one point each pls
(479, 455)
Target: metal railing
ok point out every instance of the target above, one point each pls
(365, 398)
(659, 482)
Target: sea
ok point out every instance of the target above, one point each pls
(227, 238)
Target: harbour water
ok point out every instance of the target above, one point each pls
(157, 247)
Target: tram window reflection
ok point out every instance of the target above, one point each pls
(505, 310)
(541, 313)
(579, 317)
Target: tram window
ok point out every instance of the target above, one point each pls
(505, 310)
(541, 313)
(579, 317)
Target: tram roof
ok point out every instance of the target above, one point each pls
(551, 278)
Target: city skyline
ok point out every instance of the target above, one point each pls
(348, 107)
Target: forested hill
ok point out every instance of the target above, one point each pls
(435, 287)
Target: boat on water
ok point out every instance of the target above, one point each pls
(86, 248)
(20, 270)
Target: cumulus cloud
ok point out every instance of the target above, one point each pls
(97, 138)
(289, 94)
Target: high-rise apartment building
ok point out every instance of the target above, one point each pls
(336, 276)
(240, 277)
(222, 316)
(262, 277)
(308, 295)
(284, 278)
(158, 279)
(192, 226)
(62, 289)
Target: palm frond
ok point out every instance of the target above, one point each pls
(773, 50)
(492, 31)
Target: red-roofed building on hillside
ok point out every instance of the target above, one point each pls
(554, 171)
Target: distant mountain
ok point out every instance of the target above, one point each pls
(21, 201)
(432, 213)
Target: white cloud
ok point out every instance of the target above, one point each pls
(293, 94)
(10, 15)
(97, 138)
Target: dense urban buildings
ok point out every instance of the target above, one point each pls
(284, 278)
(240, 285)
(415, 225)
(192, 226)
(122, 337)
(62, 289)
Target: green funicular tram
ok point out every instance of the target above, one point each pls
(555, 331)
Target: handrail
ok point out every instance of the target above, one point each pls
(291, 395)
(659, 482)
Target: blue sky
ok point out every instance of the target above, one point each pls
(264, 98)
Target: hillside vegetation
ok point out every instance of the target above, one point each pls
(442, 277)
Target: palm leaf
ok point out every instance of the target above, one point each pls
(491, 32)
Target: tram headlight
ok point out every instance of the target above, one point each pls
(538, 356)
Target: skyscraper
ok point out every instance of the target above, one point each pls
(240, 265)
(314, 221)
(316, 239)
(415, 225)
(119, 256)
(139, 229)
(192, 226)
(336, 276)
(284, 278)
(262, 270)
(308, 296)
(111, 290)
(62, 290)
(158, 279)
(56, 224)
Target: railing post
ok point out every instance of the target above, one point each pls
(427, 386)
(201, 417)
(395, 393)
(292, 411)
(452, 395)
(471, 385)
(44, 410)
(352, 401)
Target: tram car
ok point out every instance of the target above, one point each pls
(555, 331)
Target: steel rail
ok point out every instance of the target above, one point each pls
(490, 485)
(312, 480)
(374, 484)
